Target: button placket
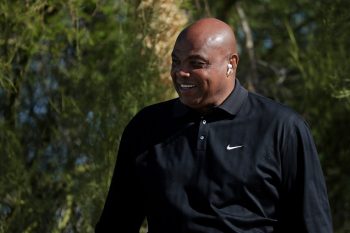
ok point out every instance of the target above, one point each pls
(202, 134)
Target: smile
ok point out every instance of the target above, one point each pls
(186, 86)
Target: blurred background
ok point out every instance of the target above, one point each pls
(73, 73)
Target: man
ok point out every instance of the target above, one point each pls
(218, 159)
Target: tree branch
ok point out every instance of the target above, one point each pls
(252, 78)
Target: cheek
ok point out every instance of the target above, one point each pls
(216, 83)
(209, 79)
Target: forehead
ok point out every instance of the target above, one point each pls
(204, 47)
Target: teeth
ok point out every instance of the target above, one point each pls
(186, 85)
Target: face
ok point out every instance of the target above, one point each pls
(199, 74)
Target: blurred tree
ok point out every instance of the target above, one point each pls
(71, 75)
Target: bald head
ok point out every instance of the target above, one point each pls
(212, 32)
(204, 64)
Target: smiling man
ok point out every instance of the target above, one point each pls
(204, 64)
(218, 159)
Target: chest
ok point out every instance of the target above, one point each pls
(219, 161)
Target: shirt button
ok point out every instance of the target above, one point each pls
(204, 122)
(201, 137)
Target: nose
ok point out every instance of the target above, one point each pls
(180, 72)
(183, 73)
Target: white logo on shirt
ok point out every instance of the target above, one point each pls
(233, 147)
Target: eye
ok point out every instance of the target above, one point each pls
(198, 64)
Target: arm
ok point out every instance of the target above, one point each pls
(304, 199)
(123, 210)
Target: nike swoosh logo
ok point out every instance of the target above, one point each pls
(233, 147)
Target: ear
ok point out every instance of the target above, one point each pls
(234, 58)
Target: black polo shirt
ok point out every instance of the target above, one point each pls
(249, 165)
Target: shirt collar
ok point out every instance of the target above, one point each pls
(231, 105)
(235, 100)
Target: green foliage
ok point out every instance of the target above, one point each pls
(71, 75)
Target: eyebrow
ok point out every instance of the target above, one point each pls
(191, 57)
(197, 57)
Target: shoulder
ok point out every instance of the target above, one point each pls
(270, 106)
(165, 107)
(156, 111)
(274, 111)
(149, 124)
(153, 114)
